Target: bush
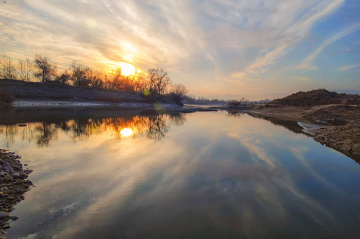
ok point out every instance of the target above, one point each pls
(234, 103)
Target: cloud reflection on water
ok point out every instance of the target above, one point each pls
(213, 177)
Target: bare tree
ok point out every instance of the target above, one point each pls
(46, 68)
(179, 90)
(29, 67)
(24, 69)
(63, 78)
(79, 75)
(158, 80)
(96, 80)
(116, 81)
(8, 68)
(141, 82)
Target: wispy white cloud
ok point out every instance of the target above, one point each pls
(292, 22)
(307, 63)
(213, 41)
(348, 67)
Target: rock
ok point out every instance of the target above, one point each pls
(3, 215)
(7, 178)
(6, 227)
(28, 171)
(13, 185)
(14, 218)
(8, 168)
(23, 175)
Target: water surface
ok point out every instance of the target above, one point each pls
(201, 175)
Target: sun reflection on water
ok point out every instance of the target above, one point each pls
(126, 132)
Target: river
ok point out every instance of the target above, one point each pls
(199, 175)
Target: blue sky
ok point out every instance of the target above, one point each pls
(256, 49)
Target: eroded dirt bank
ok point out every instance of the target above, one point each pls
(337, 126)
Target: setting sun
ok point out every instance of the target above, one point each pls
(127, 69)
(126, 132)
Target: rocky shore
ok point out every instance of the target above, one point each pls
(345, 139)
(13, 185)
(337, 125)
(344, 131)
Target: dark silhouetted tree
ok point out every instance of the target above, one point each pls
(158, 80)
(63, 78)
(79, 75)
(140, 82)
(116, 81)
(46, 69)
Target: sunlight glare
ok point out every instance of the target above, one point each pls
(126, 132)
(127, 69)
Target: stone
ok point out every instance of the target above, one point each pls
(7, 178)
(3, 215)
(8, 168)
(14, 218)
(13, 185)
(28, 171)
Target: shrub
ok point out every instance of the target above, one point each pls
(234, 103)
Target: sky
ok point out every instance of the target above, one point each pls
(250, 48)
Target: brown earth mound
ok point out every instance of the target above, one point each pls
(317, 97)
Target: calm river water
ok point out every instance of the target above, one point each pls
(200, 175)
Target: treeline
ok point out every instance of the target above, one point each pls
(154, 81)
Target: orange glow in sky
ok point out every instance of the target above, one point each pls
(127, 69)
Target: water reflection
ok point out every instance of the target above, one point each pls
(126, 132)
(214, 177)
(288, 124)
(234, 113)
(154, 126)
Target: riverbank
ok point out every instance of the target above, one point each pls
(21, 93)
(35, 95)
(13, 185)
(335, 126)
